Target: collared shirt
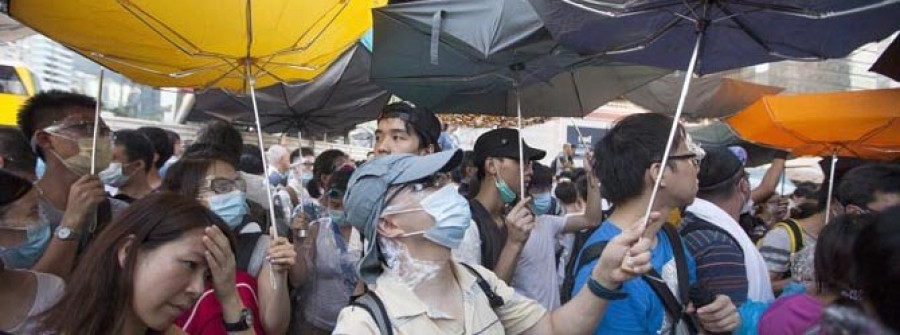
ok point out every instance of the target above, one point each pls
(410, 315)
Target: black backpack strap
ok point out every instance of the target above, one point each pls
(246, 243)
(581, 237)
(591, 253)
(375, 307)
(495, 300)
(674, 308)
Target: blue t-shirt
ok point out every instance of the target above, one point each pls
(642, 312)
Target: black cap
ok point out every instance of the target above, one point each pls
(502, 142)
(425, 123)
(719, 167)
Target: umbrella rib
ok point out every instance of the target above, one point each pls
(638, 10)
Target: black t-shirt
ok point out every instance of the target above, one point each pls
(493, 237)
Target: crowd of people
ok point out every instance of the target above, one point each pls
(143, 233)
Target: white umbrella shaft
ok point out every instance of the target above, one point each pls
(674, 129)
(96, 124)
(521, 144)
(834, 160)
(273, 232)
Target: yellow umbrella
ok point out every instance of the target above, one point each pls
(228, 44)
(203, 43)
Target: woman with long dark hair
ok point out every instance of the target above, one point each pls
(325, 164)
(144, 270)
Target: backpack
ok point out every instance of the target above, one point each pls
(565, 290)
(674, 308)
(691, 224)
(372, 304)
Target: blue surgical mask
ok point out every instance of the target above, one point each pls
(231, 207)
(305, 177)
(541, 203)
(337, 217)
(24, 256)
(451, 217)
(507, 195)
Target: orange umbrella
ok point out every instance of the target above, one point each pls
(864, 124)
(860, 124)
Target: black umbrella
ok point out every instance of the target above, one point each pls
(706, 36)
(888, 63)
(489, 57)
(336, 101)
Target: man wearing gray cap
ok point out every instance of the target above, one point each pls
(411, 222)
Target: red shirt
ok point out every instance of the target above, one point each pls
(206, 316)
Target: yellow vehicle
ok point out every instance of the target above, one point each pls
(17, 84)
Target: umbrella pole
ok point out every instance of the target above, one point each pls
(834, 160)
(273, 232)
(674, 129)
(96, 124)
(521, 143)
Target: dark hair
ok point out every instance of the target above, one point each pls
(323, 165)
(581, 185)
(876, 255)
(566, 192)
(17, 155)
(720, 173)
(833, 260)
(137, 146)
(41, 110)
(340, 178)
(251, 160)
(222, 133)
(302, 152)
(858, 187)
(161, 143)
(173, 136)
(628, 150)
(186, 176)
(542, 176)
(100, 292)
(210, 151)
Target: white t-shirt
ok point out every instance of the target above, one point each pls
(536, 276)
(49, 289)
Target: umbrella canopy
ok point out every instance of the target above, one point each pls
(888, 63)
(337, 100)
(711, 96)
(735, 33)
(863, 124)
(203, 43)
(470, 56)
(718, 134)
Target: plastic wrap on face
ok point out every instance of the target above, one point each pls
(402, 266)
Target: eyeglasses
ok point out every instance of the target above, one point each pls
(221, 185)
(82, 127)
(693, 157)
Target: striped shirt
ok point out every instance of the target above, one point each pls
(720, 261)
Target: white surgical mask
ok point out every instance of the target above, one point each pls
(113, 175)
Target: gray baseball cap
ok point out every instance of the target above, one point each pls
(367, 191)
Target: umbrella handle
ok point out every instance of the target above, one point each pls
(96, 124)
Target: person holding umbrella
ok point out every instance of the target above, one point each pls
(660, 302)
(71, 201)
(412, 222)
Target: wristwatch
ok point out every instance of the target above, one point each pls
(66, 234)
(243, 324)
(605, 293)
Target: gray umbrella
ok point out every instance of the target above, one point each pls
(11, 30)
(711, 96)
(719, 134)
(469, 56)
(336, 101)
